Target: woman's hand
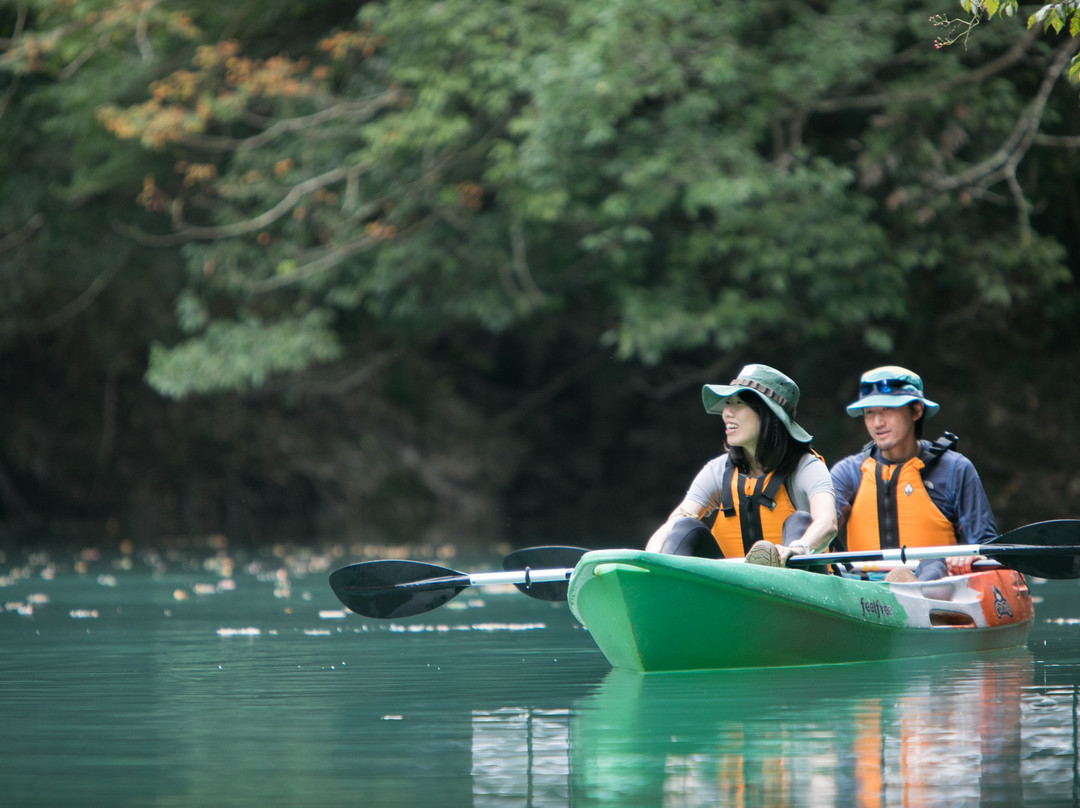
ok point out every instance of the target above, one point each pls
(793, 549)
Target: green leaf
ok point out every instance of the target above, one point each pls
(239, 355)
(191, 313)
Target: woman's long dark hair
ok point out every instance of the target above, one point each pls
(776, 449)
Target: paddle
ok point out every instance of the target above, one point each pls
(539, 558)
(1058, 556)
(1043, 550)
(391, 589)
(1030, 559)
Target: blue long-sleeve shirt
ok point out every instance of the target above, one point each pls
(952, 483)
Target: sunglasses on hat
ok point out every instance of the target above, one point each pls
(887, 387)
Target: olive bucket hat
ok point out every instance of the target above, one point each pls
(890, 386)
(779, 392)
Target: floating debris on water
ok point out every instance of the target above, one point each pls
(332, 614)
(239, 632)
(84, 614)
(442, 627)
(282, 587)
(1063, 621)
(469, 603)
(107, 580)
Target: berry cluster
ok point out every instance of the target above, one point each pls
(954, 29)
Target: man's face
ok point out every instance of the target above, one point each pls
(893, 429)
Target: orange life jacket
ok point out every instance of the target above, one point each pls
(751, 509)
(892, 508)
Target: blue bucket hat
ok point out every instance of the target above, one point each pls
(890, 386)
(779, 392)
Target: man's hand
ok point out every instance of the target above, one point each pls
(961, 565)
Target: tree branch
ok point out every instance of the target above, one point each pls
(328, 260)
(19, 27)
(260, 222)
(1058, 141)
(14, 239)
(1003, 163)
(80, 303)
(343, 111)
(873, 100)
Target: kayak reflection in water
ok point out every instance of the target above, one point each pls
(901, 490)
(770, 490)
(912, 733)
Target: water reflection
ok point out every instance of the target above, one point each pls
(969, 731)
(975, 730)
(258, 691)
(540, 739)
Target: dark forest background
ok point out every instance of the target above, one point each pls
(456, 271)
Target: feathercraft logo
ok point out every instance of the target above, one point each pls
(876, 608)
(1001, 606)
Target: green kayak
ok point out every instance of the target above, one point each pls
(652, 612)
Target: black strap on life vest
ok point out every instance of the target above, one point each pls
(938, 448)
(749, 516)
(888, 524)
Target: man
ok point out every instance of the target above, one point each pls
(901, 490)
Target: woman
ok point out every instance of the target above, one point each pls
(772, 491)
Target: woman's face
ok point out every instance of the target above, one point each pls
(741, 424)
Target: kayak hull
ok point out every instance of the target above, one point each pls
(652, 612)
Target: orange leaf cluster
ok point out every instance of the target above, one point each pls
(91, 33)
(379, 229)
(470, 195)
(222, 85)
(151, 197)
(339, 45)
(195, 173)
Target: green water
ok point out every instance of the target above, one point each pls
(192, 684)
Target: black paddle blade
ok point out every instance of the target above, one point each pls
(1054, 533)
(540, 558)
(1055, 552)
(390, 589)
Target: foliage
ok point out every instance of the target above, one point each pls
(452, 213)
(443, 165)
(1056, 17)
(236, 355)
